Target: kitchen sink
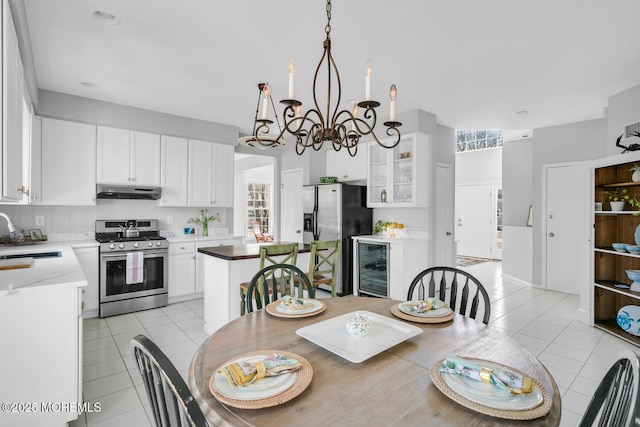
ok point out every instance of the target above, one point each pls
(51, 254)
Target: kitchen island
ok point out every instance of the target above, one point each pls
(41, 332)
(225, 268)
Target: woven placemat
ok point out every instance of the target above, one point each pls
(521, 414)
(395, 310)
(271, 309)
(305, 373)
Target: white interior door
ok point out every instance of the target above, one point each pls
(565, 220)
(292, 217)
(475, 228)
(445, 255)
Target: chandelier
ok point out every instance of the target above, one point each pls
(311, 129)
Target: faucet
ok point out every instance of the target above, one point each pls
(9, 223)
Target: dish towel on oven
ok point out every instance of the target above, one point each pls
(135, 263)
(504, 379)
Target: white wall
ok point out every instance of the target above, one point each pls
(623, 109)
(479, 167)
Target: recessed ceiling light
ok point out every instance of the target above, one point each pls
(89, 84)
(522, 113)
(106, 17)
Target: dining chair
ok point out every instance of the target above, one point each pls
(259, 235)
(282, 253)
(453, 284)
(275, 281)
(615, 401)
(171, 400)
(323, 263)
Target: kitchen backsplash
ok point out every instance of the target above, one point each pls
(81, 219)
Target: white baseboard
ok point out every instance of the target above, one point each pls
(516, 279)
(182, 298)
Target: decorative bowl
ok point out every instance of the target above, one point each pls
(633, 249)
(358, 325)
(635, 276)
(628, 317)
(620, 247)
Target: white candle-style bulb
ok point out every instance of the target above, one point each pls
(265, 103)
(392, 106)
(355, 114)
(367, 91)
(291, 78)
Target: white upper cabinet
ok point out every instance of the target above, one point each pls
(11, 178)
(128, 157)
(68, 163)
(394, 177)
(210, 174)
(174, 171)
(346, 168)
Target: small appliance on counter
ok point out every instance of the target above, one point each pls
(133, 266)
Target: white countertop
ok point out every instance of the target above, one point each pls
(44, 272)
(400, 238)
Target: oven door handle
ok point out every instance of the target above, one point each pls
(124, 254)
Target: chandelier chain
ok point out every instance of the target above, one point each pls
(327, 29)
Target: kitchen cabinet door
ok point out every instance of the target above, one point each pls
(11, 179)
(210, 174)
(128, 157)
(68, 163)
(88, 258)
(174, 171)
(346, 168)
(182, 269)
(114, 155)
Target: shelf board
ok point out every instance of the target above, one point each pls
(616, 212)
(614, 252)
(609, 285)
(619, 184)
(612, 327)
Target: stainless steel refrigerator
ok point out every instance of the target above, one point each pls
(337, 212)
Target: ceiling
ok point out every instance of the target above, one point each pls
(474, 64)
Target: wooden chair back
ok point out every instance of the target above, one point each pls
(323, 263)
(286, 253)
(615, 401)
(259, 235)
(456, 287)
(273, 282)
(172, 403)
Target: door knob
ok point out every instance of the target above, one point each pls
(551, 234)
(448, 233)
(298, 231)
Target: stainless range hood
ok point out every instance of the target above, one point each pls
(106, 191)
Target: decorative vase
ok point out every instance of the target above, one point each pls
(617, 206)
(636, 176)
(205, 229)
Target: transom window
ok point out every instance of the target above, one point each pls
(479, 139)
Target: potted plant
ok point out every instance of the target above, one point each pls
(617, 198)
(635, 203)
(204, 221)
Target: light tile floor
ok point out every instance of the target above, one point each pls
(542, 321)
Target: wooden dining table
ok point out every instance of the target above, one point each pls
(393, 387)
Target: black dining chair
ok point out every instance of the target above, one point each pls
(171, 400)
(275, 281)
(454, 286)
(615, 402)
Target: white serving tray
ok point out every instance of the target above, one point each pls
(332, 335)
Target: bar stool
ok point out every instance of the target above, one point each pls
(323, 263)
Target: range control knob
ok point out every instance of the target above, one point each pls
(158, 243)
(112, 246)
(121, 245)
(150, 244)
(135, 245)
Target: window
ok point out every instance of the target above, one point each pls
(258, 206)
(480, 139)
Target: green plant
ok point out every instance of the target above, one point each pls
(380, 226)
(203, 219)
(617, 195)
(635, 203)
(635, 168)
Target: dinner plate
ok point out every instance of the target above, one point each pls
(260, 389)
(395, 310)
(490, 400)
(266, 392)
(276, 308)
(405, 307)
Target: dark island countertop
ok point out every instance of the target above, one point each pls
(238, 252)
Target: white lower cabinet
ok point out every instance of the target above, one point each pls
(89, 261)
(186, 271)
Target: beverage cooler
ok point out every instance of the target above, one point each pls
(372, 268)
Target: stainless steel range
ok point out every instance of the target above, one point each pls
(133, 266)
